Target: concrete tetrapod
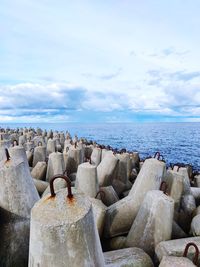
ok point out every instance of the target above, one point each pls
(188, 201)
(22, 140)
(176, 248)
(39, 154)
(29, 146)
(197, 180)
(96, 156)
(99, 211)
(17, 196)
(41, 186)
(55, 165)
(51, 146)
(106, 169)
(122, 167)
(149, 228)
(120, 215)
(128, 257)
(74, 158)
(171, 261)
(3, 144)
(63, 232)
(38, 140)
(86, 179)
(110, 196)
(39, 171)
(174, 182)
(196, 194)
(195, 225)
(18, 152)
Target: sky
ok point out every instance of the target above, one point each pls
(99, 61)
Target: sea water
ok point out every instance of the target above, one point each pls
(177, 142)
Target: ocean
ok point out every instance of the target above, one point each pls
(177, 142)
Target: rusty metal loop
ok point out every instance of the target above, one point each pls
(163, 187)
(31, 149)
(39, 143)
(171, 166)
(15, 141)
(7, 154)
(88, 159)
(157, 154)
(196, 256)
(100, 192)
(162, 158)
(67, 181)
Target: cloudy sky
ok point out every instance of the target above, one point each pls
(99, 61)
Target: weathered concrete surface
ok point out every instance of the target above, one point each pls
(104, 152)
(63, 233)
(188, 204)
(176, 262)
(177, 231)
(197, 180)
(51, 146)
(99, 211)
(55, 165)
(17, 191)
(128, 257)
(41, 186)
(18, 153)
(38, 139)
(187, 189)
(74, 159)
(186, 180)
(197, 211)
(118, 186)
(109, 196)
(176, 247)
(17, 196)
(14, 241)
(122, 167)
(135, 159)
(96, 156)
(120, 215)
(29, 155)
(4, 144)
(62, 139)
(153, 222)
(196, 194)
(86, 179)
(116, 243)
(39, 171)
(106, 169)
(175, 185)
(195, 225)
(29, 145)
(39, 154)
(22, 140)
(88, 151)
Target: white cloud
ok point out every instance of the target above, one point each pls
(58, 101)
